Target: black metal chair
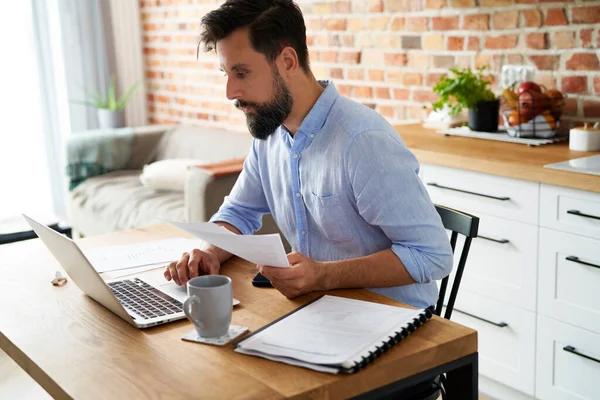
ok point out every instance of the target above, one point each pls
(467, 225)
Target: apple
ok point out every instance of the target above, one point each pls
(529, 87)
(556, 102)
(532, 103)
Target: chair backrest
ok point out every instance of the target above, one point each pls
(459, 223)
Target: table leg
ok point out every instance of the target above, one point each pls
(462, 382)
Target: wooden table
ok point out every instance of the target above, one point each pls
(75, 348)
(512, 160)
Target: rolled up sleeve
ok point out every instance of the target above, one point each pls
(246, 204)
(389, 194)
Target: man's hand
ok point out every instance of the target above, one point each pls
(192, 264)
(304, 275)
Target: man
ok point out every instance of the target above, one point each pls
(338, 180)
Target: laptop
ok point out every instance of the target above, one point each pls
(131, 298)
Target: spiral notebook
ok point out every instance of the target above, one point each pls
(333, 334)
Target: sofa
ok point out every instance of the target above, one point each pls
(117, 200)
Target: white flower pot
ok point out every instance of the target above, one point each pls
(108, 119)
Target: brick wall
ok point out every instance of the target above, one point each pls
(387, 54)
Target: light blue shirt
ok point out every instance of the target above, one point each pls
(344, 186)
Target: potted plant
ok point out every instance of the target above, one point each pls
(110, 109)
(469, 89)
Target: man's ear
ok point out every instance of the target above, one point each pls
(290, 60)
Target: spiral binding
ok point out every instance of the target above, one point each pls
(393, 340)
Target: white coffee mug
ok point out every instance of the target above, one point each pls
(208, 306)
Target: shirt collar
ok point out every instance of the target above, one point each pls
(315, 119)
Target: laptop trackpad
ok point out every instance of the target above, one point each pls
(179, 292)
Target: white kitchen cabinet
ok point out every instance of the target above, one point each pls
(568, 362)
(494, 195)
(570, 210)
(569, 278)
(502, 261)
(539, 276)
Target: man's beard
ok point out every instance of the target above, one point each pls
(266, 118)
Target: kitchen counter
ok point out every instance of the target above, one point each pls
(498, 158)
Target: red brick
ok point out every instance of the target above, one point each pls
(398, 23)
(443, 61)
(586, 15)
(363, 91)
(586, 38)
(597, 85)
(375, 5)
(525, 1)
(462, 3)
(344, 90)
(356, 74)
(482, 60)
(501, 42)
(328, 56)
(341, 7)
(532, 18)
(545, 62)
(556, 16)
(401, 94)
(411, 42)
(476, 22)
(350, 57)
(591, 109)
(418, 61)
(435, 4)
(376, 75)
(583, 62)
(378, 23)
(570, 108)
(564, 40)
(395, 59)
(335, 24)
(515, 59)
(425, 96)
(456, 43)
(395, 76)
(494, 3)
(382, 93)
(336, 73)
(417, 24)
(398, 6)
(473, 43)
(433, 79)
(536, 40)
(505, 20)
(574, 84)
(444, 23)
(413, 79)
(385, 111)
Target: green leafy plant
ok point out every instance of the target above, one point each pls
(111, 102)
(465, 90)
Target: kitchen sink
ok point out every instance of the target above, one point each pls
(584, 165)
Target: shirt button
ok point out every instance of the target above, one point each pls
(296, 155)
(298, 195)
(312, 135)
(303, 233)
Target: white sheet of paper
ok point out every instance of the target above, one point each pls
(114, 258)
(259, 249)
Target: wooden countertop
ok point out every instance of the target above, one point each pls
(497, 158)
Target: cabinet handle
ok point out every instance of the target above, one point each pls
(467, 192)
(580, 214)
(503, 241)
(578, 261)
(572, 349)
(498, 324)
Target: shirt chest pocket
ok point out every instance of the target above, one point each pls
(331, 218)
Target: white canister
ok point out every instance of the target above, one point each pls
(584, 139)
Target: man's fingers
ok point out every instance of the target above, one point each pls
(194, 263)
(173, 272)
(295, 257)
(167, 273)
(182, 269)
(280, 274)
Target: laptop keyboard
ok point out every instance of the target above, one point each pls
(143, 299)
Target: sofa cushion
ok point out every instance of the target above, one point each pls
(168, 175)
(118, 201)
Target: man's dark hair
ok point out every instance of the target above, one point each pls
(272, 25)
